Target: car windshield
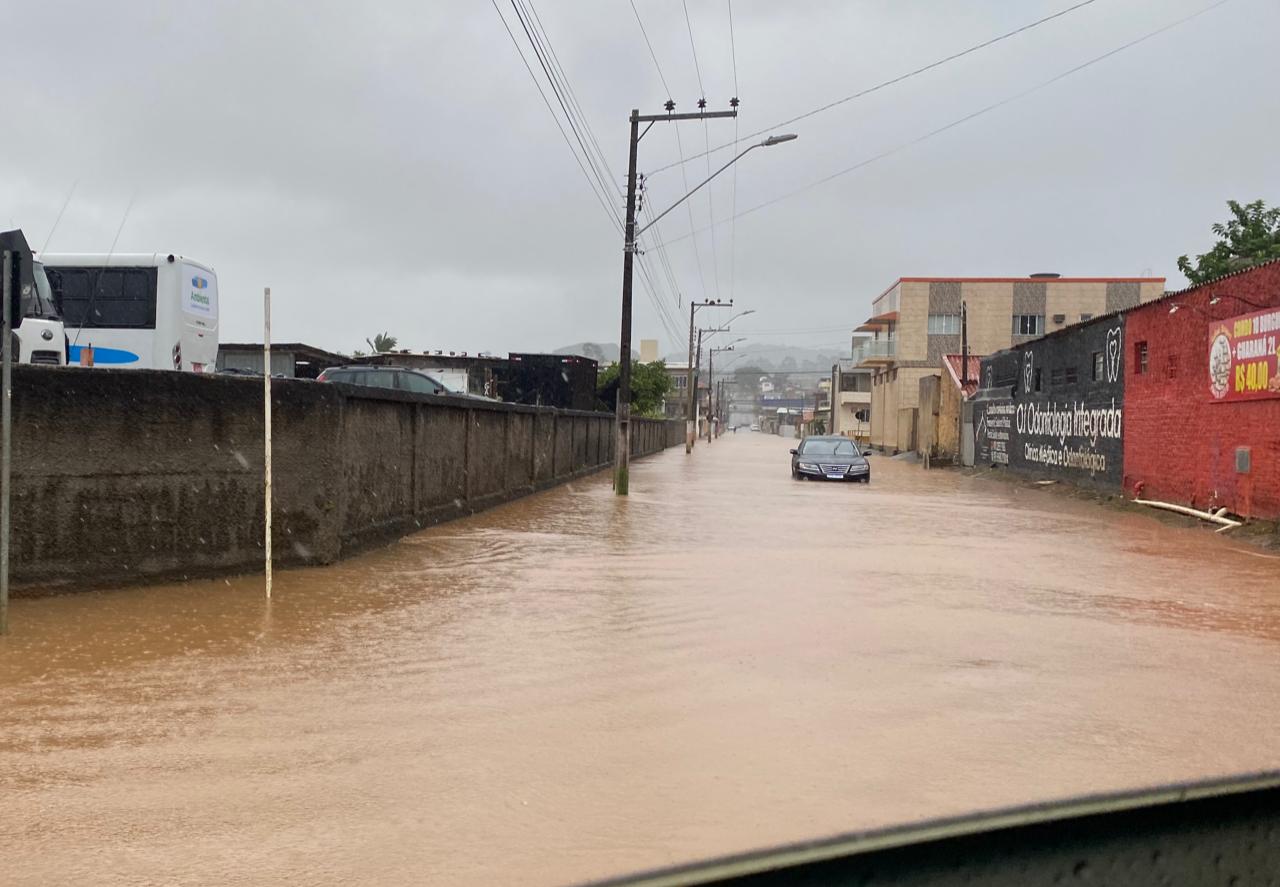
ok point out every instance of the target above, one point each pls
(948, 481)
(827, 448)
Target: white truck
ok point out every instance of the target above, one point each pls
(38, 332)
(156, 311)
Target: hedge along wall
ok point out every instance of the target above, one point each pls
(125, 475)
(1054, 407)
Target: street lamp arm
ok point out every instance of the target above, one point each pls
(767, 143)
(654, 221)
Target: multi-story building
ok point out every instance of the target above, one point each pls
(850, 399)
(676, 404)
(917, 321)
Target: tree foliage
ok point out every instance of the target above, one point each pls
(1250, 237)
(382, 343)
(650, 384)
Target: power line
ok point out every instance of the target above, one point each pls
(573, 96)
(733, 205)
(592, 181)
(696, 69)
(702, 286)
(653, 55)
(965, 119)
(543, 60)
(879, 86)
(516, 43)
(706, 135)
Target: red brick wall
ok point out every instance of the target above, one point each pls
(1179, 444)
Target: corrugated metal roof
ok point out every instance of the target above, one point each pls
(954, 364)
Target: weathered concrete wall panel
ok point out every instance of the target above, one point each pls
(442, 455)
(487, 456)
(519, 451)
(123, 475)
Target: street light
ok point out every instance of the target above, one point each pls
(711, 377)
(621, 469)
(767, 143)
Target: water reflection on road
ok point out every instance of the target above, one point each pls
(572, 686)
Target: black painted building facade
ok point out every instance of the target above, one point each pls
(1054, 407)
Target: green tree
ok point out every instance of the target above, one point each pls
(382, 343)
(650, 384)
(1250, 237)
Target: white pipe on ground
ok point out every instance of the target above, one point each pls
(1212, 516)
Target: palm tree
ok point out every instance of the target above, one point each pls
(382, 343)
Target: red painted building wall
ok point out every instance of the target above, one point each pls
(1179, 443)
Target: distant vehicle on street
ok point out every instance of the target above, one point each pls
(395, 378)
(152, 311)
(755, 426)
(829, 457)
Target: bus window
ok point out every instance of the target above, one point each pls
(110, 298)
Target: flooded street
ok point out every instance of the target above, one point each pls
(573, 686)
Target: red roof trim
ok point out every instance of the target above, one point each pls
(1030, 280)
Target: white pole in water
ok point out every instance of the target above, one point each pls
(266, 423)
(6, 419)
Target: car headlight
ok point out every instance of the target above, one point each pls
(809, 465)
(859, 469)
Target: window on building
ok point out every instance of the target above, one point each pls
(1097, 366)
(1171, 366)
(1069, 376)
(1035, 381)
(944, 324)
(680, 381)
(855, 382)
(1084, 317)
(1028, 324)
(1140, 358)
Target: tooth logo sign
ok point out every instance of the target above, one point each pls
(199, 283)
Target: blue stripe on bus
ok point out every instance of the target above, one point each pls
(104, 355)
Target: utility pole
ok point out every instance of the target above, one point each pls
(711, 381)
(691, 424)
(622, 460)
(697, 366)
(964, 344)
(622, 453)
(715, 405)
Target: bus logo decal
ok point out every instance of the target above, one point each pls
(199, 283)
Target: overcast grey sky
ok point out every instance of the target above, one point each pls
(390, 165)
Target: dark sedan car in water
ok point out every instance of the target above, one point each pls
(830, 458)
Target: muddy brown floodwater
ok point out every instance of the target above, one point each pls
(573, 686)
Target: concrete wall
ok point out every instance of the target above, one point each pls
(927, 434)
(123, 476)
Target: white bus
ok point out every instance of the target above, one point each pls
(37, 330)
(150, 311)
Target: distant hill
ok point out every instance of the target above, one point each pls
(775, 358)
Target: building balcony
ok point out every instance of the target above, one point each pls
(879, 351)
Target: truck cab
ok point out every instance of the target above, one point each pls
(38, 333)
